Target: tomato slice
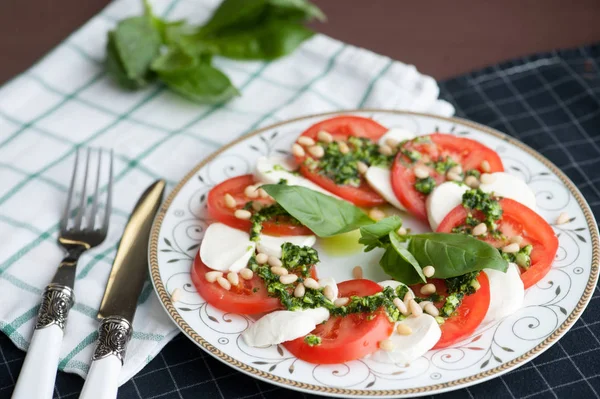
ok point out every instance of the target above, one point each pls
(235, 186)
(466, 152)
(346, 338)
(342, 127)
(469, 314)
(248, 297)
(517, 219)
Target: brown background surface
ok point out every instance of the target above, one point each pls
(442, 38)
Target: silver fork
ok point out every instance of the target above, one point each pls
(80, 230)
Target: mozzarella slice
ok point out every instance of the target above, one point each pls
(442, 200)
(425, 334)
(397, 134)
(380, 180)
(329, 281)
(506, 293)
(509, 186)
(283, 325)
(271, 245)
(224, 248)
(394, 284)
(273, 169)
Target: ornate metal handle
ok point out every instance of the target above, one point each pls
(114, 335)
(57, 300)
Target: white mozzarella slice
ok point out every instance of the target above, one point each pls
(379, 179)
(329, 281)
(397, 134)
(271, 170)
(442, 200)
(506, 293)
(271, 245)
(394, 284)
(425, 334)
(224, 248)
(283, 325)
(509, 186)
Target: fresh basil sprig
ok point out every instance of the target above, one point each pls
(324, 215)
(376, 235)
(146, 47)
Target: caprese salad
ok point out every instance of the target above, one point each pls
(486, 247)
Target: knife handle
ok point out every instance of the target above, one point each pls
(36, 379)
(102, 381)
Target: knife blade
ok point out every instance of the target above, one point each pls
(119, 303)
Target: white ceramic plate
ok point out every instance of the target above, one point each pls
(551, 307)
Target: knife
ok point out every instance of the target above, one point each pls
(117, 309)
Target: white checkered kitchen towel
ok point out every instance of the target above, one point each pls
(67, 100)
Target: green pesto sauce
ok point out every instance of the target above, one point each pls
(443, 165)
(488, 205)
(312, 340)
(458, 288)
(271, 212)
(425, 185)
(521, 258)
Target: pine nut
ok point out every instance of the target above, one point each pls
(376, 214)
(422, 304)
(176, 295)
(230, 202)
(305, 141)
(328, 292)
(357, 272)
(262, 193)
(311, 283)
(211, 277)
(299, 291)
(480, 229)
(224, 283)
(485, 166)
(453, 176)
(431, 309)
(288, 279)
(402, 231)
(562, 218)
(341, 302)
(428, 289)
(400, 305)
(403, 329)
(511, 248)
(429, 271)
(344, 149)
(421, 172)
(233, 278)
(392, 142)
(274, 261)
(487, 178)
(362, 167)
(387, 345)
(242, 214)
(298, 151)
(415, 309)
(324, 136)
(316, 151)
(261, 258)
(385, 150)
(251, 192)
(516, 239)
(407, 298)
(456, 169)
(246, 274)
(279, 271)
(472, 181)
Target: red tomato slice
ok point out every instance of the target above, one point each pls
(517, 219)
(235, 187)
(346, 338)
(241, 299)
(342, 127)
(466, 152)
(469, 314)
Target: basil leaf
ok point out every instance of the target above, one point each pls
(453, 255)
(294, 10)
(203, 83)
(398, 267)
(137, 43)
(174, 60)
(324, 215)
(371, 235)
(115, 69)
(406, 255)
(234, 14)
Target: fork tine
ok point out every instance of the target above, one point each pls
(95, 203)
(108, 208)
(82, 202)
(65, 218)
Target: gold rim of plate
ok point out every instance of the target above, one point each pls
(165, 298)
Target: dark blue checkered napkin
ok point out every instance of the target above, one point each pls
(549, 101)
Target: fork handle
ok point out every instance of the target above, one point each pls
(36, 379)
